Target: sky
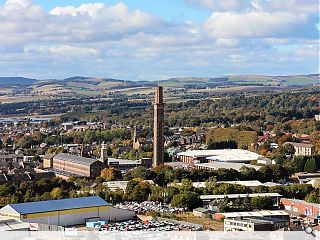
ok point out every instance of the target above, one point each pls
(158, 39)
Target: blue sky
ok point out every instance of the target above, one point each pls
(171, 10)
(152, 39)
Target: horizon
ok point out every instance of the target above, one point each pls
(176, 77)
(152, 40)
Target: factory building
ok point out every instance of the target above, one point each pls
(66, 212)
(255, 224)
(278, 214)
(215, 200)
(68, 165)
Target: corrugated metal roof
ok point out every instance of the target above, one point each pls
(243, 195)
(75, 159)
(58, 205)
(255, 214)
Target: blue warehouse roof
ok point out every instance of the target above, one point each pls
(58, 205)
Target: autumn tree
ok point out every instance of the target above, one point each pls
(111, 174)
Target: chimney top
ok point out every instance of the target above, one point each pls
(159, 95)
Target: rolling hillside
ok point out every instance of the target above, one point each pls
(16, 81)
(243, 80)
(79, 85)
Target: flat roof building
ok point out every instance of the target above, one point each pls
(242, 195)
(251, 184)
(121, 185)
(218, 155)
(255, 224)
(215, 200)
(125, 165)
(65, 212)
(227, 165)
(254, 214)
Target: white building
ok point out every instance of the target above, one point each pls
(218, 155)
(120, 185)
(303, 149)
(253, 184)
(217, 165)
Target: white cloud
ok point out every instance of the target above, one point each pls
(308, 50)
(289, 5)
(222, 5)
(117, 41)
(257, 5)
(254, 24)
(91, 9)
(63, 51)
(226, 42)
(17, 4)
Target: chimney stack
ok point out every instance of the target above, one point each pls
(158, 138)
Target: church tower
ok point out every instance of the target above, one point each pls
(158, 139)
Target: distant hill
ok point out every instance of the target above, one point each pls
(242, 80)
(80, 85)
(16, 81)
(76, 78)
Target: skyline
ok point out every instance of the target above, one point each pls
(152, 40)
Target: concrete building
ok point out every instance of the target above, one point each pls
(279, 214)
(120, 185)
(253, 184)
(67, 165)
(255, 224)
(158, 137)
(217, 199)
(66, 212)
(218, 165)
(300, 207)
(317, 117)
(303, 149)
(124, 165)
(305, 178)
(218, 155)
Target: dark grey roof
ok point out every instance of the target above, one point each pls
(58, 205)
(24, 176)
(9, 156)
(75, 159)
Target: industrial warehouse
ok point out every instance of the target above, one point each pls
(66, 212)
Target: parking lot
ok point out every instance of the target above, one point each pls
(144, 207)
(152, 225)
